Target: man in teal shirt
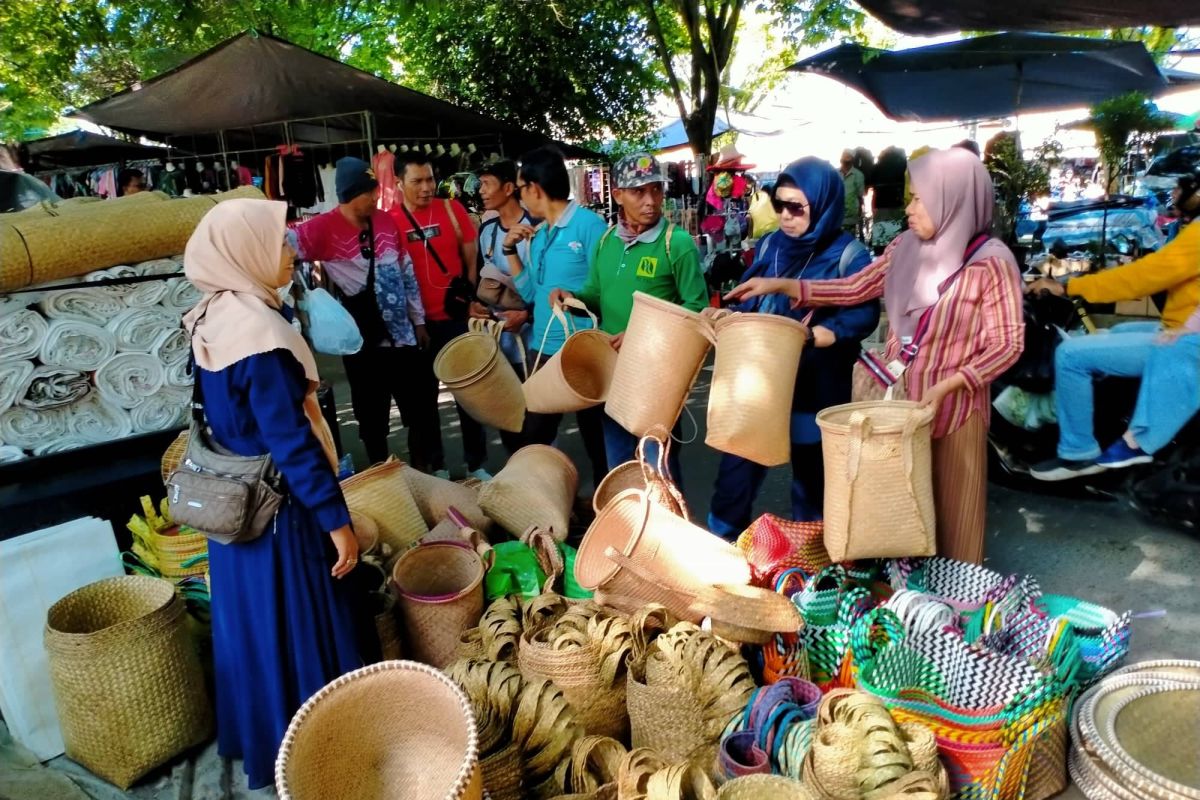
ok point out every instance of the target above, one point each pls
(641, 253)
(559, 253)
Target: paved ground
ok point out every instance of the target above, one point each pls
(1095, 549)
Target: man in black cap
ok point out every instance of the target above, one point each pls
(365, 264)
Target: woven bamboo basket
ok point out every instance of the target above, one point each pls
(435, 497)
(385, 626)
(481, 379)
(763, 787)
(536, 488)
(654, 478)
(366, 531)
(664, 719)
(619, 479)
(440, 589)
(675, 560)
(127, 680)
(878, 480)
(174, 455)
(38, 249)
(661, 355)
(598, 700)
(382, 494)
(750, 402)
(503, 773)
(578, 376)
(395, 729)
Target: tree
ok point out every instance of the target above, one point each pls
(1119, 122)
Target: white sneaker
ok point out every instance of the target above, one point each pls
(444, 474)
(481, 474)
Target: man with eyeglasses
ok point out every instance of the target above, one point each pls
(641, 253)
(856, 189)
(560, 251)
(365, 264)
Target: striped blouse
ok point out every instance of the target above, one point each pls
(977, 329)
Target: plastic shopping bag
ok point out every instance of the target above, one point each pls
(331, 329)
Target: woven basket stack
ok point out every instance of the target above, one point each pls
(1134, 734)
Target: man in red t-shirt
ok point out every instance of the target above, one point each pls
(441, 240)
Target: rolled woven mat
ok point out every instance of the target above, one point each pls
(52, 387)
(181, 295)
(394, 729)
(118, 291)
(177, 375)
(92, 305)
(95, 421)
(126, 379)
(138, 329)
(160, 266)
(172, 346)
(21, 334)
(13, 378)
(76, 344)
(102, 235)
(166, 409)
(763, 787)
(146, 294)
(28, 428)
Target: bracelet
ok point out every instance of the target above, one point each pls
(508, 251)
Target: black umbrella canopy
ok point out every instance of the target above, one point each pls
(924, 17)
(990, 76)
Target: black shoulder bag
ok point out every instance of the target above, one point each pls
(364, 306)
(460, 293)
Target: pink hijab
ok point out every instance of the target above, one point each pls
(957, 192)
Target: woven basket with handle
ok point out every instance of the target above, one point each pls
(536, 488)
(440, 594)
(480, 378)
(578, 375)
(127, 680)
(394, 729)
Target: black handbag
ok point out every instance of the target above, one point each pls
(364, 306)
(460, 293)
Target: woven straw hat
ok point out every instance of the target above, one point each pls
(395, 729)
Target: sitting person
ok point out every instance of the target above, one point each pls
(1124, 350)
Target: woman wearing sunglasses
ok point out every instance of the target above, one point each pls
(810, 244)
(955, 323)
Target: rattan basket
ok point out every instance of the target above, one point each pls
(536, 488)
(395, 729)
(440, 590)
(127, 679)
(382, 494)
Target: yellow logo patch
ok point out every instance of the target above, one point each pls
(647, 267)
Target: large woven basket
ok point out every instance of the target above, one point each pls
(664, 719)
(878, 480)
(382, 494)
(481, 379)
(536, 488)
(661, 355)
(435, 497)
(763, 787)
(578, 376)
(750, 403)
(440, 590)
(126, 676)
(598, 701)
(676, 560)
(395, 729)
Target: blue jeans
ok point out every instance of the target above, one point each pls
(739, 480)
(621, 446)
(1170, 392)
(1121, 352)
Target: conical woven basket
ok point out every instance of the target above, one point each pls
(435, 497)
(440, 590)
(677, 560)
(481, 379)
(578, 376)
(750, 402)
(127, 680)
(382, 494)
(395, 729)
(654, 478)
(536, 488)
(661, 355)
(878, 480)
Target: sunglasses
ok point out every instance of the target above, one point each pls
(366, 246)
(792, 207)
(519, 187)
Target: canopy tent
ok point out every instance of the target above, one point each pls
(269, 89)
(923, 17)
(991, 76)
(673, 135)
(85, 149)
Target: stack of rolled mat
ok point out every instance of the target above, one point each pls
(83, 365)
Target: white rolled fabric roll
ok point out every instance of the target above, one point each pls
(146, 294)
(177, 374)
(139, 329)
(21, 334)
(52, 387)
(166, 409)
(82, 305)
(94, 421)
(120, 290)
(181, 295)
(127, 379)
(13, 376)
(28, 428)
(75, 344)
(172, 346)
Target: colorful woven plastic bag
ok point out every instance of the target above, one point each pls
(773, 544)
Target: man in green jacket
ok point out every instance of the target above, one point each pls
(641, 253)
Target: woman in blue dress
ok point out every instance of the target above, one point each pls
(810, 201)
(283, 618)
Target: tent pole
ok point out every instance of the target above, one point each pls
(368, 129)
(224, 156)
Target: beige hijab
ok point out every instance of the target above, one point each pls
(233, 258)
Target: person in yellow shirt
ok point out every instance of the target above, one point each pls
(1123, 351)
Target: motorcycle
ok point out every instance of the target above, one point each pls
(1167, 489)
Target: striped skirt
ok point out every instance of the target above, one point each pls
(960, 490)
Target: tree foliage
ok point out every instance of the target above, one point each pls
(1119, 123)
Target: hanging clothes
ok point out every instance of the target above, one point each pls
(384, 165)
(173, 182)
